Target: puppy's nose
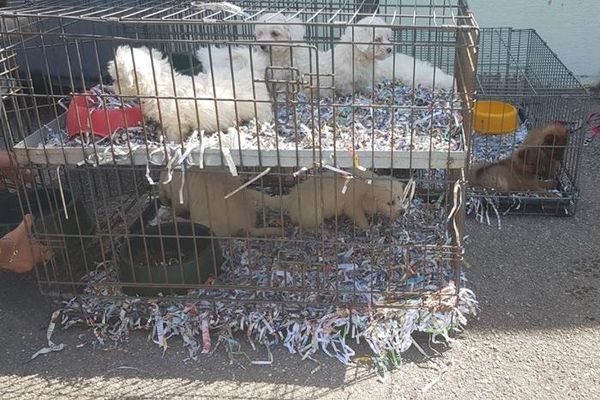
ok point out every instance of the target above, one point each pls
(389, 49)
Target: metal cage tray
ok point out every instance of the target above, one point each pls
(32, 151)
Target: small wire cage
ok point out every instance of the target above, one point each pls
(517, 68)
(262, 168)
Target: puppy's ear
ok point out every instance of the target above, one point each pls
(110, 67)
(369, 201)
(523, 155)
(360, 36)
(296, 29)
(363, 47)
(125, 73)
(131, 62)
(557, 138)
(164, 195)
(364, 36)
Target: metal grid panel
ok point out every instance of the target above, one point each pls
(517, 66)
(80, 49)
(519, 62)
(443, 14)
(102, 235)
(64, 48)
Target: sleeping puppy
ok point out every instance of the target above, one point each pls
(318, 198)
(204, 202)
(208, 102)
(514, 174)
(537, 159)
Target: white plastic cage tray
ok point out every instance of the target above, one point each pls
(33, 150)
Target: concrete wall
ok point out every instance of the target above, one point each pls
(571, 28)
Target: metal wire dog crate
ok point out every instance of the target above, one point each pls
(116, 230)
(516, 66)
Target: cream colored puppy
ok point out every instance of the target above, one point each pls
(318, 198)
(204, 202)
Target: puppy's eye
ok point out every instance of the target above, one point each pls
(275, 34)
(378, 40)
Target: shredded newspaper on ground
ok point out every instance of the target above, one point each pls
(398, 275)
(404, 265)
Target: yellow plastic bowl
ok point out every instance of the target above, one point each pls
(495, 117)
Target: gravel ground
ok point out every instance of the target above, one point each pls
(538, 281)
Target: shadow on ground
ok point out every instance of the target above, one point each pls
(534, 274)
(25, 314)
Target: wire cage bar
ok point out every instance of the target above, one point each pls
(349, 196)
(80, 48)
(517, 67)
(114, 222)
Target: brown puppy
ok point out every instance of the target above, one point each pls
(539, 156)
(516, 173)
(204, 202)
(552, 140)
(318, 198)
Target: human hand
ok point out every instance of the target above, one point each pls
(14, 172)
(19, 253)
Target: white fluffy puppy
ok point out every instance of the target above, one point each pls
(365, 56)
(234, 58)
(358, 56)
(292, 52)
(146, 73)
(404, 68)
(278, 27)
(362, 57)
(353, 58)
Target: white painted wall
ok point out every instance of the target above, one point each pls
(571, 28)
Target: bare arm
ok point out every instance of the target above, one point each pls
(10, 169)
(4, 159)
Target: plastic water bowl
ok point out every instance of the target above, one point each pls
(495, 117)
(201, 258)
(84, 116)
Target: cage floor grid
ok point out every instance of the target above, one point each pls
(272, 301)
(399, 128)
